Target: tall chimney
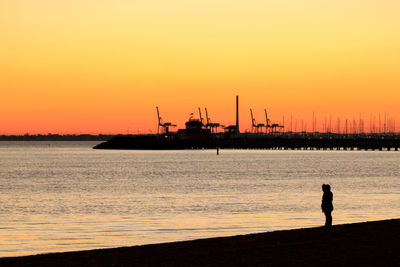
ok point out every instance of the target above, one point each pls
(237, 114)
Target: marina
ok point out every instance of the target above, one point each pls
(200, 135)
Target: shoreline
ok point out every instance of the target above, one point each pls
(368, 244)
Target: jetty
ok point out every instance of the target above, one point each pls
(378, 142)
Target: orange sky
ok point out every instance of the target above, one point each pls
(101, 66)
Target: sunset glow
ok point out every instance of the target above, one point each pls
(103, 66)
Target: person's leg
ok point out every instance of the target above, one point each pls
(328, 221)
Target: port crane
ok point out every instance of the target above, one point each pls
(273, 126)
(266, 121)
(210, 125)
(201, 118)
(164, 125)
(255, 127)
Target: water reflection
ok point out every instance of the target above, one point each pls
(70, 197)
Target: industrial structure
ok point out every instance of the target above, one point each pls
(164, 125)
(200, 134)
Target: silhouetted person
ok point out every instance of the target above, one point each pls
(327, 206)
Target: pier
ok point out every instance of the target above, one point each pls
(378, 142)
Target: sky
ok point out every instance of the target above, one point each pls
(102, 66)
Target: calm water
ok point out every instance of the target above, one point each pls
(61, 196)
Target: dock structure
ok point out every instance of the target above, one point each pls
(199, 135)
(317, 142)
(206, 140)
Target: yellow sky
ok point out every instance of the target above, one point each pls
(102, 66)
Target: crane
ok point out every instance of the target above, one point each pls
(266, 121)
(253, 121)
(212, 126)
(207, 118)
(164, 125)
(273, 126)
(201, 118)
(255, 126)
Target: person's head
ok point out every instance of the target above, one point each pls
(326, 188)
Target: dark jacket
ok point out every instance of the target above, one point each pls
(327, 199)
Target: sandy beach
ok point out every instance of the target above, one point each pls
(360, 244)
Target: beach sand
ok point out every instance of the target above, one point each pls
(360, 244)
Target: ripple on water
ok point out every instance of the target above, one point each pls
(69, 197)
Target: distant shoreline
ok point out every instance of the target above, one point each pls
(56, 137)
(367, 244)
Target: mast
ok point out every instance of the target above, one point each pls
(237, 115)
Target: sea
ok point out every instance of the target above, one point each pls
(66, 196)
